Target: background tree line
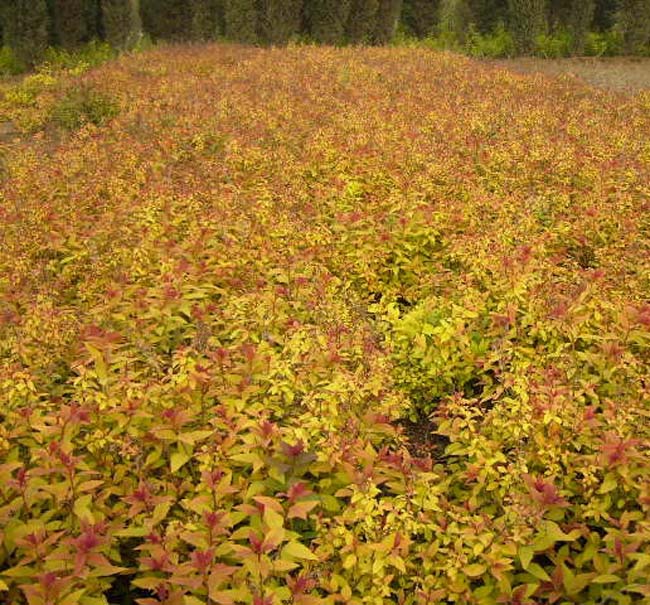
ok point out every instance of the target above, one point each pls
(28, 27)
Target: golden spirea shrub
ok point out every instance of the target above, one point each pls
(233, 273)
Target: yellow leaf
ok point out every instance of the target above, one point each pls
(73, 598)
(273, 538)
(606, 578)
(397, 562)
(272, 519)
(177, 460)
(475, 570)
(538, 571)
(282, 566)
(223, 597)
(296, 550)
(525, 556)
(300, 510)
(82, 508)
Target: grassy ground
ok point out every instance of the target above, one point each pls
(620, 74)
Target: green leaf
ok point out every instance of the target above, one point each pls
(296, 550)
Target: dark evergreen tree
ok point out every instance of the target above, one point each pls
(362, 21)
(206, 19)
(121, 22)
(70, 23)
(488, 14)
(604, 14)
(168, 19)
(420, 16)
(579, 21)
(26, 28)
(456, 18)
(93, 18)
(327, 20)
(388, 14)
(280, 19)
(557, 13)
(242, 21)
(527, 20)
(633, 21)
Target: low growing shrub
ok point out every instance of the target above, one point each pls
(553, 46)
(83, 106)
(9, 63)
(498, 44)
(603, 44)
(90, 55)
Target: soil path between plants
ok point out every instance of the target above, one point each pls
(621, 74)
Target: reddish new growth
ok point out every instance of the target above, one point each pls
(615, 451)
(544, 492)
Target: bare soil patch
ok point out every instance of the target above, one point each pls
(422, 438)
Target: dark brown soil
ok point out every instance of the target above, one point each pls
(422, 440)
(622, 74)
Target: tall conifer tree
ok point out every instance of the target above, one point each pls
(206, 19)
(26, 28)
(281, 19)
(456, 16)
(579, 22)
(121, 22)
(70, 22)
(327, 20)
(388, 15)
(242, 20)
(169, 19)
(420, 16)
(362, 21)
(633, 21)
(527, 20)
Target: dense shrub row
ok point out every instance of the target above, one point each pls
(218, 300)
